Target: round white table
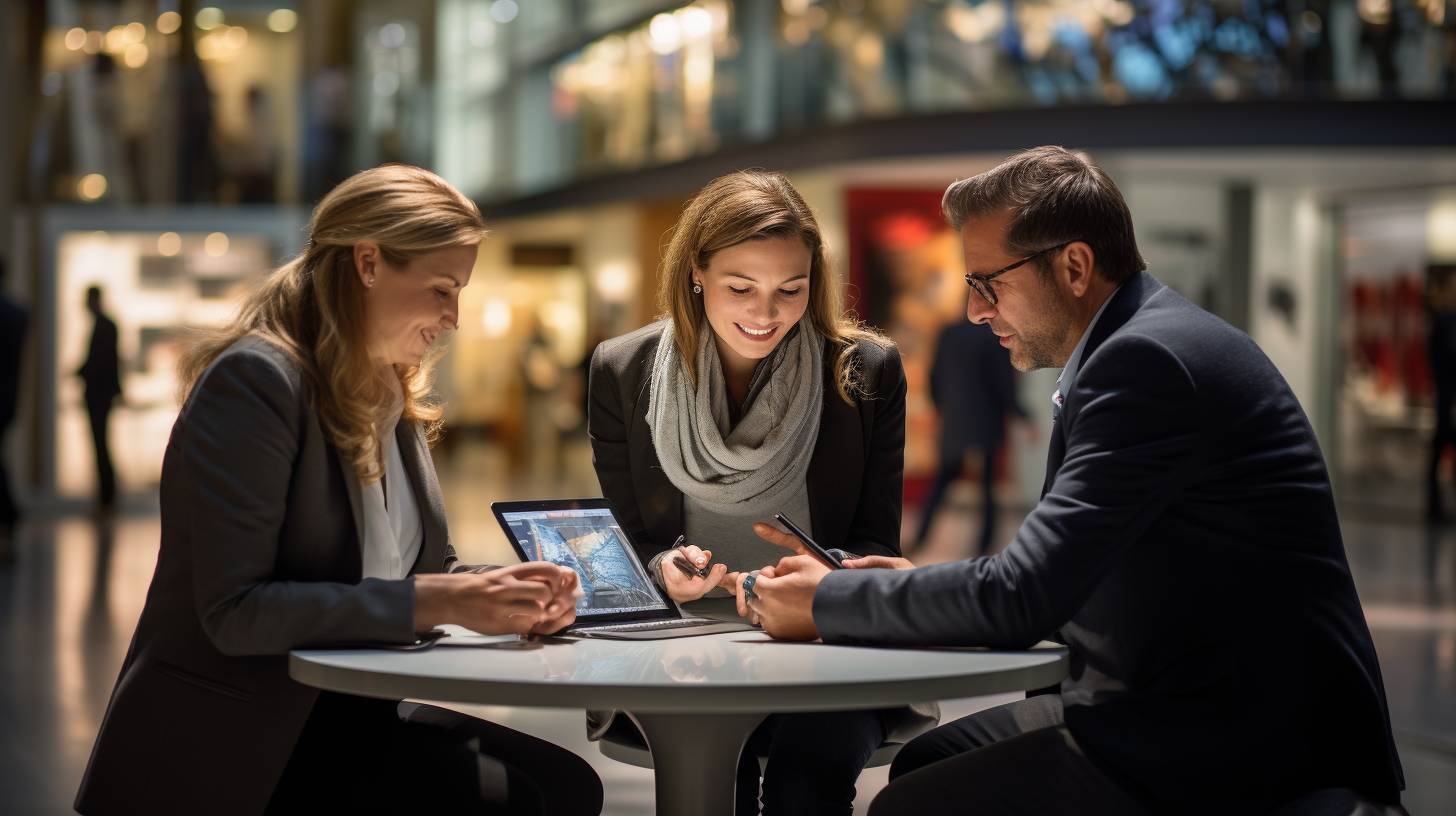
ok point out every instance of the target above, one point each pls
(696, 699)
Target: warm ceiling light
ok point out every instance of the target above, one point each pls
(216, 245)
(282, 20)
(92, 186)
(169, 244)
(168, 22)
(209, 18)
(136, 55)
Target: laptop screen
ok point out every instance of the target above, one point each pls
(589, 541)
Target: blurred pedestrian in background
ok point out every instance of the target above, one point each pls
(12, 337)
(102, 374)
(974, 388)
(1442, 348)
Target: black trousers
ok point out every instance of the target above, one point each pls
(1445, 435)
(950, 470)
(9, 512)
(100, 413)
(358, 755)
(1013, 760)
(813, 763)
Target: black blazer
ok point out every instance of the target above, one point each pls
(855, 476)
(261, 553)
(1187, 550)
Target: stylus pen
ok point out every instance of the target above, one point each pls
(814, 547)
(686, 566)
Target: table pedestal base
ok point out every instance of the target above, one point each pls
(695, 759)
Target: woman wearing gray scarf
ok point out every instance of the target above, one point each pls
(754, 394)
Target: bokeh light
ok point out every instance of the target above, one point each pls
(169, 243)
(209, 18)
(92, 186)
(168, 22)
(282, 20)
(216, 244)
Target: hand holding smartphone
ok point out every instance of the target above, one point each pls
(813, 546)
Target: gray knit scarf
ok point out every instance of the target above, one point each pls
(751, 467)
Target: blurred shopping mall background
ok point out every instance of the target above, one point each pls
(1290, 165)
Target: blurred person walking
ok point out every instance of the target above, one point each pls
(973, 386)
(13, 320)
(102, 375)
(1442, 355)
(300, 507)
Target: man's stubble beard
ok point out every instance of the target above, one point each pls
(1041, 344)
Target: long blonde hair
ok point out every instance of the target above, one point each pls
(746, 206)
(313, 306)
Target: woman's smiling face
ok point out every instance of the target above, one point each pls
(406, 310)
(753, 293)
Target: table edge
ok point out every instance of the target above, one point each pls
(687, 698)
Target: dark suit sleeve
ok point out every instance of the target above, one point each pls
(607, 426)
(876, 526)
(238, 444)
(1131, 448)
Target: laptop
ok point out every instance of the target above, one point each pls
(621, 602)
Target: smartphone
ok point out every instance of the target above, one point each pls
(814, 546)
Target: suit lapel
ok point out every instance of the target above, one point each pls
(356, 501)
(1125, 303)
(838, 461)
(416, 457)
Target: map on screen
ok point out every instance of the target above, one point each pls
(591, 543)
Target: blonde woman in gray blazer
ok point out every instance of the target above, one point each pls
(300, 508)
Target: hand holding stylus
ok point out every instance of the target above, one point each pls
(682, 587)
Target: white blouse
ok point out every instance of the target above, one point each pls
(393, 529)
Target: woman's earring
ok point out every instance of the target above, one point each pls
(697, 288)
(370, 283)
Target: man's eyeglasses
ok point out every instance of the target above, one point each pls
(982, 283)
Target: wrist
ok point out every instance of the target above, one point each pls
(434, 600)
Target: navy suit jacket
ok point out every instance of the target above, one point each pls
(1188, 553)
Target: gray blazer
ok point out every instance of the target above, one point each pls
(261, 553)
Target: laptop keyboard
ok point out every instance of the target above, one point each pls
(649, 625)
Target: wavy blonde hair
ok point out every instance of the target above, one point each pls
(754, 205)
(313, 306)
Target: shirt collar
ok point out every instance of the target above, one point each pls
(1069, 372)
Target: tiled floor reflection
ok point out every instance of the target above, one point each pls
(69, 604)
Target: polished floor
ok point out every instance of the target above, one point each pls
(70, 601)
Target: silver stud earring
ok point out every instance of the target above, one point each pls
(370, 283)
(697, 288)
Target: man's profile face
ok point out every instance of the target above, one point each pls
(1032, 316)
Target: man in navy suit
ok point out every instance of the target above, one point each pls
(1185, 549)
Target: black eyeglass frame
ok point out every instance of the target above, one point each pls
(982, 283)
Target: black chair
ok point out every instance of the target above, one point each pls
(1337, 802)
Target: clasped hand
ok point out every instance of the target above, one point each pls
(536, 597)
